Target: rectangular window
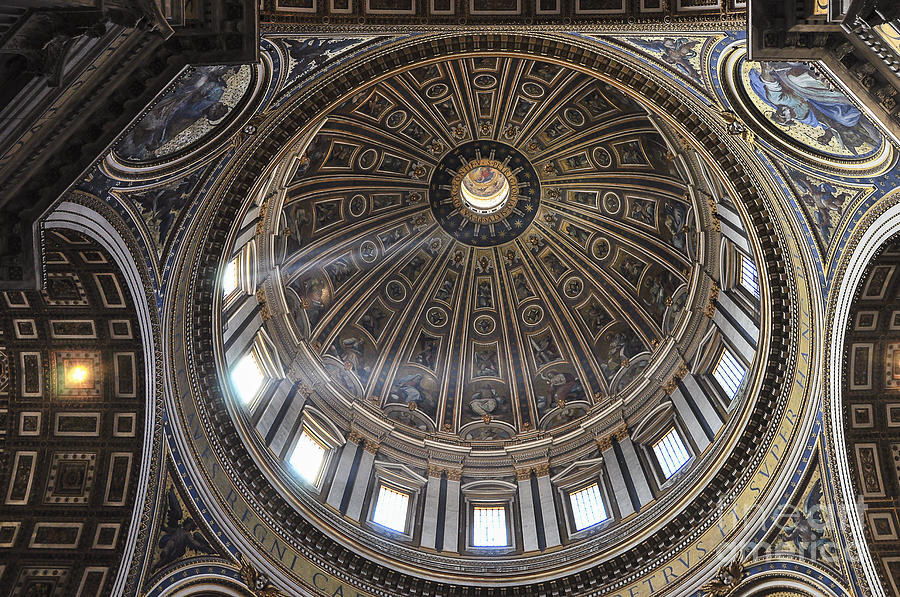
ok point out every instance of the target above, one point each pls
(749, 276)
(671, 453)
(391, 508)
(729, 372)
(587, 507)
(307, 457)
(229, 278)
(489, 526)
(247, 378)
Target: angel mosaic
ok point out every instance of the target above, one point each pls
(824, 200)
(677, 51)
(806, 527)
(180, 534)
(307, 55)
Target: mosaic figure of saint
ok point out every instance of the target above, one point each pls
(798, 95)
(199, 96)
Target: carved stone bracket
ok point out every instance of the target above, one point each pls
(257, 582)
(726, 580)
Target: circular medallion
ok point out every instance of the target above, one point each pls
(600, 249)
(532, 315)
(485, 81)
(573, 287)
(602, 157)
(574, 117)
(611, 203)
(395, 291)
(484, 324)
(437, 90)
(368, 251)
(437, 317)
(367, 159)
(395, 119)
(358, 205)
(532, 89)
(484, 193)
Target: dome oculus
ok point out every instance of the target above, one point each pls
(483, 187)
(484, 201)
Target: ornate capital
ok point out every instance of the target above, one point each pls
(604, 443)
(355, 436)
(523, 474)
(621, 432)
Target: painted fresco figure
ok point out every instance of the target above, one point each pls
(798, 95)
(675, 221)
(563, 386)
(486, 400)
(544, 349)
(406, 389)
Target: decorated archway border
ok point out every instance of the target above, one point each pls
(86, 214)
(881, 223)
(205, 425)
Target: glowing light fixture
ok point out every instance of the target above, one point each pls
(78, 373)
(485, 189)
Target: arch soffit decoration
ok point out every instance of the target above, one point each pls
(85, 214)
(262, 151)
(872, 233)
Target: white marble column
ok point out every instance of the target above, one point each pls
(451, 515)
(526, 509)
(430, 515)
(617, 480)
(636, 471)
(703, 403)
(691, 423)
(548, 508)
(339, 480)
(361, 482)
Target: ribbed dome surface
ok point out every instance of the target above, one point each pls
(521, 310)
